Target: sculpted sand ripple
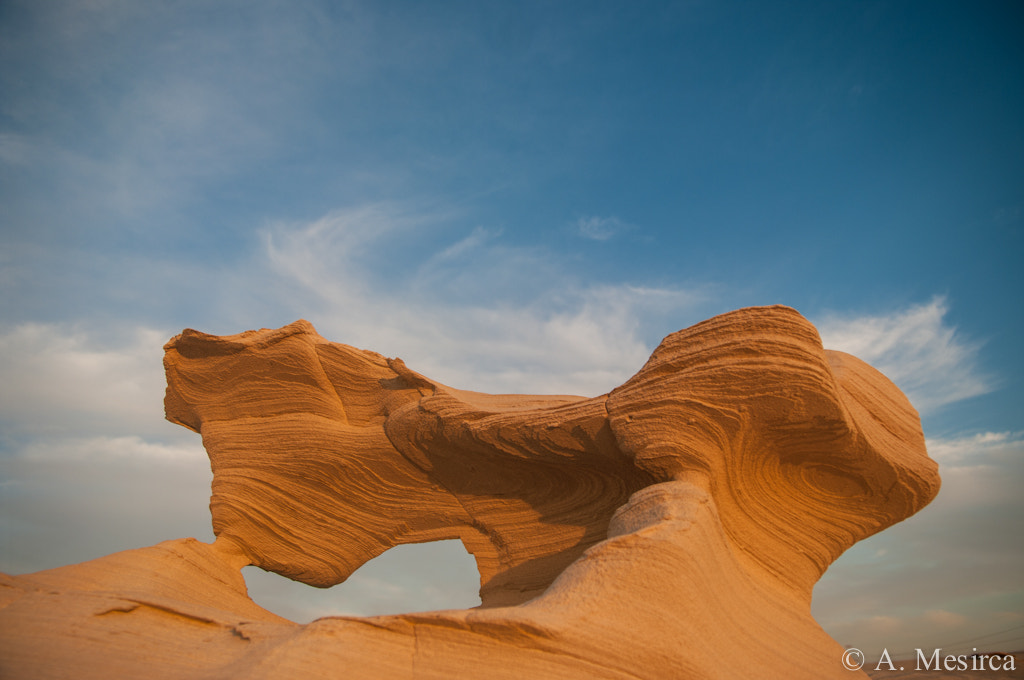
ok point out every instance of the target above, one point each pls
(673, 528)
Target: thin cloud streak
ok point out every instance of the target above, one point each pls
(600, 228)
(569, 336)
(112, 450)
(916, 349)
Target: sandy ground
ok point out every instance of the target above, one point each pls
(910, 664)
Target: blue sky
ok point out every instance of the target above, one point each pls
(517, 197)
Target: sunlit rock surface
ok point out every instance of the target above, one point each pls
(672, 528)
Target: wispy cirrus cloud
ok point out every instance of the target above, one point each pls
(108, 449)
(600, 228)
(472, 311)
(970, 450)
(915, 348)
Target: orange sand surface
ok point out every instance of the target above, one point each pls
(672, 528)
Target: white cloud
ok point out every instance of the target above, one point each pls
(600, 228)
(62, 378)
(981, 470)
(113, 449)
(474, 313)
(968, 450)
(915, 348)
(471, 243)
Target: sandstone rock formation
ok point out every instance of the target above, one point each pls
(672, 528)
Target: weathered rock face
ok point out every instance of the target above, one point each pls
(673, 528)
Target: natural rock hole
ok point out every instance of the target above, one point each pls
(407, 578)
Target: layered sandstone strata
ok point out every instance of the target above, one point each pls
(672, 528)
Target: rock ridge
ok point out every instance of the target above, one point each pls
(671, 528)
